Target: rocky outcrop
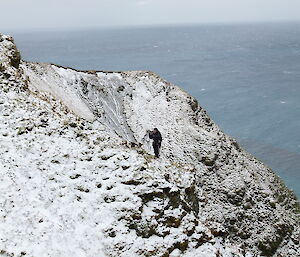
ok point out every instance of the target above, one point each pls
(79, 178)
(9, 54)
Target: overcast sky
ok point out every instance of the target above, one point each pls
(60, 14)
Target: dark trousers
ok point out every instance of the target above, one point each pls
(156, 146)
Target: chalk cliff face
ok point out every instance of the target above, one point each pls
(72, 184)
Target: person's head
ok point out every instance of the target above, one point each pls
(155, 129)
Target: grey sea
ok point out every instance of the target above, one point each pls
(246, 76)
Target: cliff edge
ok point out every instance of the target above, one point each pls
(78, 176)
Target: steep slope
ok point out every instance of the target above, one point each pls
(72, 185)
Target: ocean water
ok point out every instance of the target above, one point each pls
(246, 76)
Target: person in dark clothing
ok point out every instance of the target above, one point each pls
(156, 136)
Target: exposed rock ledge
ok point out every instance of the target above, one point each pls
(71, 186)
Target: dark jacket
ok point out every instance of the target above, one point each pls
(156, 136)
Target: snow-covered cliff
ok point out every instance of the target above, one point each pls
(78, 176)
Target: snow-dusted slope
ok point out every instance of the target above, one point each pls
(72, 184)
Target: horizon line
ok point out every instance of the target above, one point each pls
(141, 26)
